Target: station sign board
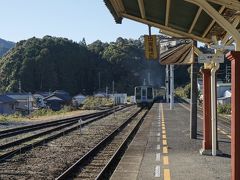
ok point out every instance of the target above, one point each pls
(230, 48)
(207, 58)
(150, 47)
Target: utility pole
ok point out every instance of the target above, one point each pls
(167, 83)
(171, 86)
(149, 78)
(99, 81)
(228, 73)
(19, 86)
(113, 97)
(113, 86)
(113, 92)
(106, 91)
(144, 82)
(29, 102)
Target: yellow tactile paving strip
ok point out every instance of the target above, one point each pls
(166, 170)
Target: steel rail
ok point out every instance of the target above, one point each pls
(28, 128)
(115, 158)
(72, 170)
(27, 147)
(225, 121)
(22, 140)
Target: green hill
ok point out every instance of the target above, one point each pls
(5, 46)
(52, 63)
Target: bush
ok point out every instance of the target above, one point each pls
(36, 113)
(184, 92)
(96, 102)
(15, 116)
(48, 112)
(66, 109)
(187, 91)
(179, 91)
(42, 112)
(224, 108)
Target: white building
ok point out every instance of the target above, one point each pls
(119, 98)
(39, 98)
(224, 100)
(100, 94)
(132, 99)
(25, 101)
(78, 99)
(221, 88)
(224, 93)
(200, 85)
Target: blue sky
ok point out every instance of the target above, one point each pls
(73, 19)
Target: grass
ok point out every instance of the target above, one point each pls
(49, 112)
(37, 113)
(12, 117)
(90, 103)
(96, 102)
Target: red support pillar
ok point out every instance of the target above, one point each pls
(207, 133)
(234, 57)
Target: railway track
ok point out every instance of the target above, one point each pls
(223, 122)
(23, 129)
(98, 163)
(21, 139)
(50, 159)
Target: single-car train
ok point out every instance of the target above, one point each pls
(144, 95)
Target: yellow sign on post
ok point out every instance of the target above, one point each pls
(150, 45)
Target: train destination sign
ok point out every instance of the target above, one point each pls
(150, 46)
(207, 58)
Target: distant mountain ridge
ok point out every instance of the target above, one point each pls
(5, 46)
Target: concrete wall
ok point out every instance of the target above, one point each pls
(226, 100)
(221, 88)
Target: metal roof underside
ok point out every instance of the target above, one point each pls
(175, 17)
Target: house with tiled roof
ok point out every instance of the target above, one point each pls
(7, 105)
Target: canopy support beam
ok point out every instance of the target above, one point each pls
(227, 36)
(167, 12)
(195, 20)
(231, 4)
(212, 23)
(218, 18)
(142, 8)
(166, 29)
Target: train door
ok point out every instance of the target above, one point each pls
(144, 94)
(149, 93)
(138, 93)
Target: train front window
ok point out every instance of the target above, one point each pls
(149, 93)
(138, 93)
(144, 92)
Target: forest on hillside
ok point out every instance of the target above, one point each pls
(50, 63)
(5, 46)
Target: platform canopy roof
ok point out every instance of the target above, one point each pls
(196, 19)
(180, 54)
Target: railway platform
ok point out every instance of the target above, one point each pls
(162, 149)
